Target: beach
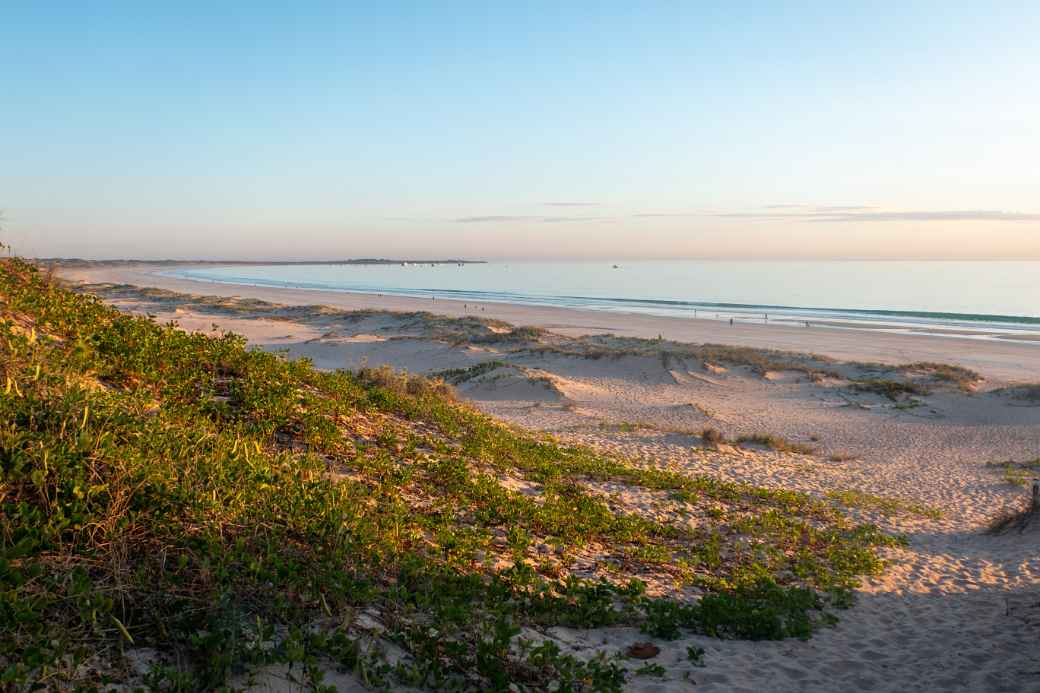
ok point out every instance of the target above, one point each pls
(1012, 362)
(956, 608)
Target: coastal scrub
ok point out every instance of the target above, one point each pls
(224, 510)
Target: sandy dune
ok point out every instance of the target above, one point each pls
(956, 610)
(1004, 360)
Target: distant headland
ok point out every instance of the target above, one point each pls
(80, 262)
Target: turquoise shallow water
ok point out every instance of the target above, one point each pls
(977, 297)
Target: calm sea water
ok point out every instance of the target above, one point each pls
(977, 297)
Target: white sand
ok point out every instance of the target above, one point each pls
(957, 610)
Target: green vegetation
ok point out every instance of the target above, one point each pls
(1018, 473)
(1016, 476)
(509, 340)
(890, 506)
(695, 654)
(457, 376)
(458, 330)
(233, 510)
(1024, 393)
(627, 426)
(712, 438)
(776, 443)
(515, 335)
(963, 378)
(892, 389)
(759, 361)
(637, 426)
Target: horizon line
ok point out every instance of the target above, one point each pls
(562, 258)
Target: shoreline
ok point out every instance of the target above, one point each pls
(1004, 360)
(985, 325)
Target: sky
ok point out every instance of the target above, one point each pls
(219, 130)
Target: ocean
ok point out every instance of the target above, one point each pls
(985, 299)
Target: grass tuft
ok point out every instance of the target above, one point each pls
(1014, 519)
(776, 443)
(1018, 473)
(892, 389)
(712, 438)
(1022, 393)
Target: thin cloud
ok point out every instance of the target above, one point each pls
(572, 204)
(672, 214)
(844, 208)
(564, 220)
(942, 215)
(764, 215)
(507, 219)
(822, 208)
(493, 219)
(855, 213)
(823, 214)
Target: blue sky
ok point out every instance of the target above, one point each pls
(310, 130)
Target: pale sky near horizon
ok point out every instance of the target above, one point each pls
(523, 130)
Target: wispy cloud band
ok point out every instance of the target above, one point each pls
(863, 214)
(941, 215)
(536, 219)
(797, 213)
